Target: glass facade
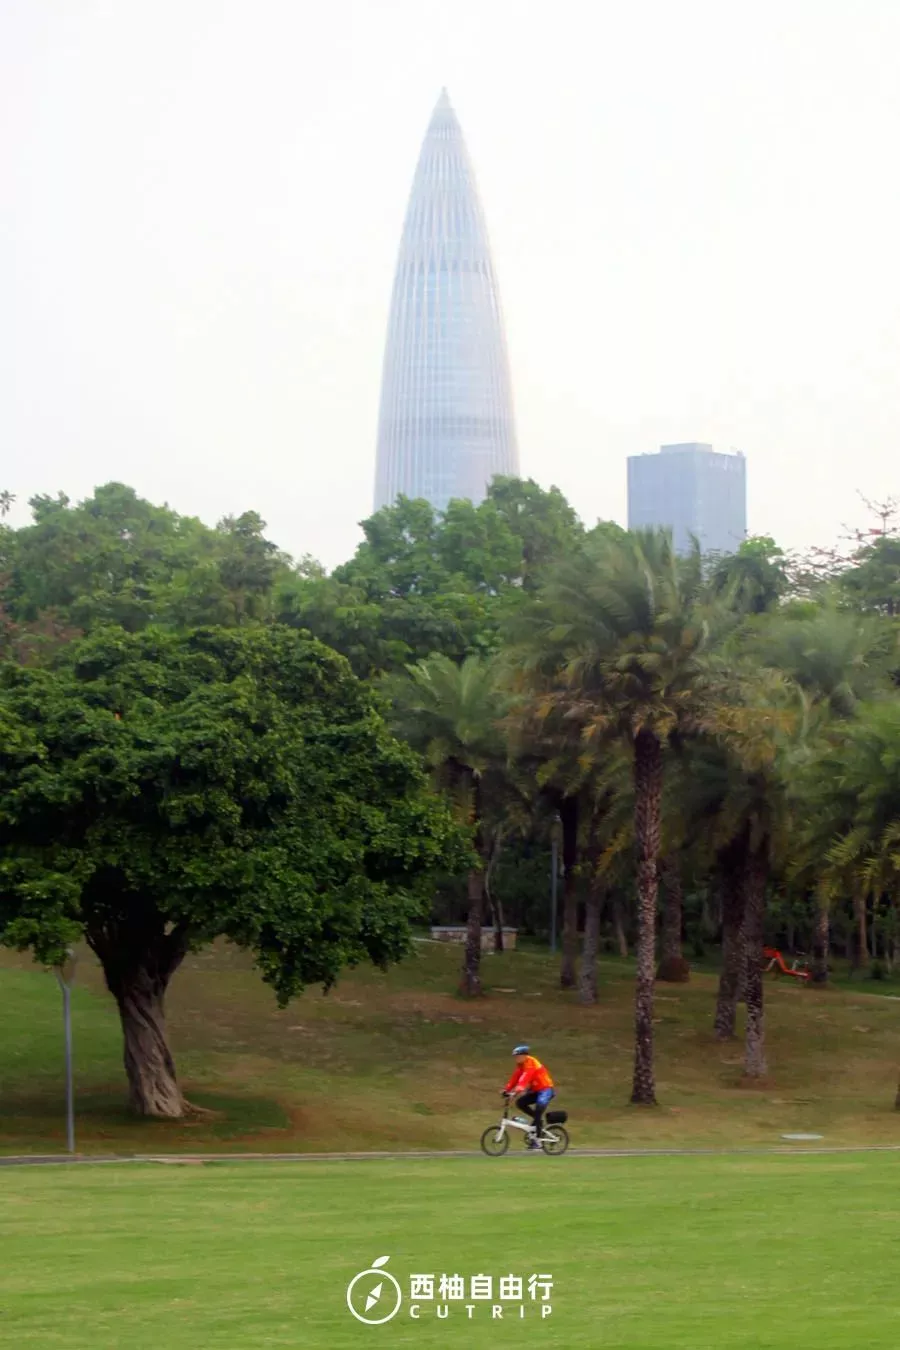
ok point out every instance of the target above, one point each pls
(446, 423)
(693, 491)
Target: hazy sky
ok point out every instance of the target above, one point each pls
(694, 207)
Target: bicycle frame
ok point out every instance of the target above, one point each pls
(527, 1126)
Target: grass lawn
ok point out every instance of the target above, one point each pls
(653, 1253)
(399, 1061)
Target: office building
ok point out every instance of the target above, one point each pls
(692, 490)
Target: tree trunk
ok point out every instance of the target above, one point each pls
(619, 927)
(569, 813)
(754, 921)
(494, 902)
(673, 968)
(152, 1086)
(820, 947)
(587, 984)
(470, 981)
(497, 906)
(138, 977)
(648, 774)
(862, 939)
(731, 860)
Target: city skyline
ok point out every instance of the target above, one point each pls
(695, 239)
(446, 425)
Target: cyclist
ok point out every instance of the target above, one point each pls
(531, 1078)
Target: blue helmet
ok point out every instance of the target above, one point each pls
(522, 1050)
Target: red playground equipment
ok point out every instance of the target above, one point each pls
(777, 963)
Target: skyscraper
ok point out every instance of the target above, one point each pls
(446, 422)
(693, 491)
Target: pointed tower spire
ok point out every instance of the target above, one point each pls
(446, 421)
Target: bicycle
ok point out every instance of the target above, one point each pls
(553, 1138)
(799, 966)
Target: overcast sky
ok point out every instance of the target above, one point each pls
(694, 208)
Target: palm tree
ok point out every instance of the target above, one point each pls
(622, 630)
(837, 658)
(676, 846)
(452, 714)
(609, 810)
(736, 800)
(860, 808)
(546, 747)
(6, 502)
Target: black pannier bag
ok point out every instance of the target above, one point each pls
(557, 1117)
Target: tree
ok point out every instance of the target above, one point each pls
(607, 807)
(424, 582)
(451, 713)
(158, 791)
(6, 502)
(855, 792)
(542, 522)
(754, 578)
(545, 746)
(623, 623)
(837, 659)
(115, 558)
(736, 797)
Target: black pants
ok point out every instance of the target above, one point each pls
(528, 1103)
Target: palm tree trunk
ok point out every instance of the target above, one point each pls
(568, 811)
(470, 982)
(619, 927)
(673, 968)
(587, 984)
(820, 947)
(494, 902)
(754, 922)
(730, 981)
(648, 774)
(862, 939)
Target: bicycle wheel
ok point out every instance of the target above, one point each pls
(556, 1139)
(494, 1143)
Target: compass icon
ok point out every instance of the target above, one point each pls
(373, 1296)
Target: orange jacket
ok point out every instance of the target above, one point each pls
(529, 1077)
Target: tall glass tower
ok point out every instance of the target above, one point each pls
(446, 421)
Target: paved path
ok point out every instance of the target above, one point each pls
(187, 1159)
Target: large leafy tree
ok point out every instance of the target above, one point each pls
(158, 791)
(423, 582)
(871, 581)
(116, 558)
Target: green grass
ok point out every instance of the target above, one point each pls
(398, 1061)
(654, 1254)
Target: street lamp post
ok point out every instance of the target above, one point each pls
(65, 975)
